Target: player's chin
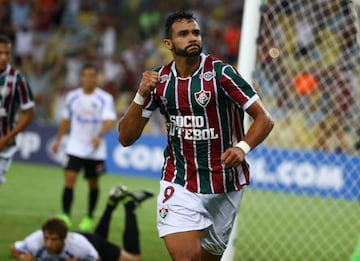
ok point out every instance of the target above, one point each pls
(194, 52)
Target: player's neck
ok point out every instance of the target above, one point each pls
(186, 66)
(88, 91)
(3, 70)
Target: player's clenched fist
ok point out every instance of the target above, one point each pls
(148, 82)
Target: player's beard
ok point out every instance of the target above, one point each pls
(186, 53)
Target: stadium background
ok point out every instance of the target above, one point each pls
(304, 196)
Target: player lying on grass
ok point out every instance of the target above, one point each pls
(55, 242)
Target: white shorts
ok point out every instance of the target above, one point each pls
(5, 161)
(179, 210)
(6, 157)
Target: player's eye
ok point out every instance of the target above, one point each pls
(183, 33)
(196, 32)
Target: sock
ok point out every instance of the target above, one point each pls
(131, 232)
(67, 199)
(102, 228)
(93, 197)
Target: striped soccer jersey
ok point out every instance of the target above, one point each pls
(15, 93)
(204, 116)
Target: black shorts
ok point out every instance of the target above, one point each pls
(92, 168)
(107, 250)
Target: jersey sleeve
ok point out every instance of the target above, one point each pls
(25, 93)
(109, 109)
(31, 244)
(149, 106)
(151, 103)
(237, 88)
(66, 110)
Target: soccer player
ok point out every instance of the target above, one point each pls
(55, 242)
(15, 96)
(89, 112)
(203, 101)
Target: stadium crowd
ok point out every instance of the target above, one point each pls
(53, 38)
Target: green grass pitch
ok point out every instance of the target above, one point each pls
(33, 192)
(272, 226)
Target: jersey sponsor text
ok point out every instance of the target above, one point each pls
(190, 127)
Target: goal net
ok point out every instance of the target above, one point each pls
(303, 202)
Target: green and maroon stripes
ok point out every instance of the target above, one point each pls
(17, 93)
(204, 117)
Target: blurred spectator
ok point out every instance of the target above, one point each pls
(73, 67)
(45, 14)
(335, 109)
(21, 13)
(58, 102)
(39, 50)
(149, 21)
(232, 38)
(6, 25)
(41, 79)
(106, 34)
(113, 74)
(24, 39)
(69, 18)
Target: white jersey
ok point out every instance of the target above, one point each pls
(76, 246)
(86, 113)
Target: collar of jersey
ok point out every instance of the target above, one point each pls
(202, 57)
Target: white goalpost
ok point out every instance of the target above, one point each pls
(245, 65)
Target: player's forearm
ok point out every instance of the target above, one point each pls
(21, 255)
(63, 128)
(14, 252)
(107, 125)
(131, 125)
(260, 127)
(259, 130)
(24, 121)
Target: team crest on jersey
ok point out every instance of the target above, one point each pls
(164, 78)
(163, 212)
(202, 97)
(207, 76)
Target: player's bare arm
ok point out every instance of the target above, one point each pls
(132, 123)
(21, 255)
(259, 129)
(63, 128)
(24, 121)
(107, 125)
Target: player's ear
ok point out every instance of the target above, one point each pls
(168, 44)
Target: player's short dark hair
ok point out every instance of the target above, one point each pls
(4, 39)
(175, 17)
(89, 65)
(55, 226)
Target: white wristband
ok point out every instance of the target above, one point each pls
(244, 146)
(138, 99)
